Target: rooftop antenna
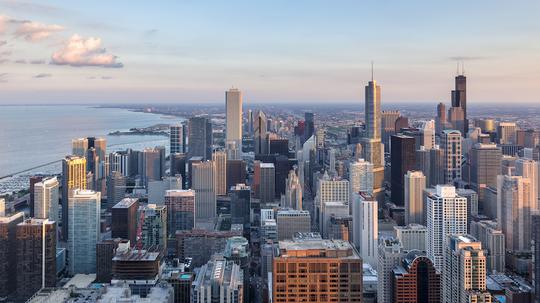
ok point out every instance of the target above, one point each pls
(372, 71)
(463, 68)
(457, 67)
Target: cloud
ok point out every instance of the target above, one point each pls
(35, 31)
(36, 61)
(3, 77)
(5, 53)
(78, 51)
(106, 78)
(43, 75)
(3, 42)
(20, 61)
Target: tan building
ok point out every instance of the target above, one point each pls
(315, 270)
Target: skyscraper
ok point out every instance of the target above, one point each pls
(328, 211)
(464, 273)
(73, 177)
(309, 125)
(291, 221)
(365, 227)
(506, 132)
(233, 104)
(124, 219)
(360, 177)
(415, 183)
(79, 147)
(372, 146)
(451, 146)
(389, 256)
(402, 161)
(153, 158)
(220, 161)
(485, 166)
(181, 209)
(440, 122)
(205, 190)
(36, 256)
(459, 99)
(293, 192)
(176, 139)
(535, 218)
(446, 215)
(46, 199)
(492, 239)
(416, 280)
(428, 134)
(267, 182)
(8, 253)
(327, 258)
(261, 142)
(240, 204)
(84, 230)
(200, 138)
(154, 228)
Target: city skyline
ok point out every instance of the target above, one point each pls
(61, 52)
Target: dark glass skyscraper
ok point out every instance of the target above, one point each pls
(309, 126)
(402, 160)
(459, 99)
(200, 138)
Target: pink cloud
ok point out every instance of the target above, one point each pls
(35, 31)
(78, 51)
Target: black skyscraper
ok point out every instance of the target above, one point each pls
(200, 138)
(459, 99)
(402, 160)
(309, 127)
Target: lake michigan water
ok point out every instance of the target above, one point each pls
(34, 135)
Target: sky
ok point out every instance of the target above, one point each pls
(318, 51)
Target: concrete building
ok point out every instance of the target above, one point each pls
(200, 244)
(291, 221)
(485, 166)
(416, 280)
(365, 227)
(446, 215)
(233, 104)
(507, 132)
(293, 192)
(46, 199)
(415, 183)
(464, 273)
(267, 182)
(220, 161)
(305, 269)
(412, 236)
(176, 138)
(200, 138)
(154, 228)
(451, 146)
(219, 281)
(84, 231)
(390, 255)
(205, 190)
(493, 242)
(330, 209)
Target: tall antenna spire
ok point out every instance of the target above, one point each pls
(463, 68)
(371, 70)
(457, 68)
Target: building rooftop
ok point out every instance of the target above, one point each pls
(125, 203)
(12, 217)
(137, 255)
(81, 281)
(310, 248)
(180, 193)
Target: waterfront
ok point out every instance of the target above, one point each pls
(34, 135)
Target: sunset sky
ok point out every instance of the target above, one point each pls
(275, 51)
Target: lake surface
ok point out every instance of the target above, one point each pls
(34, 135)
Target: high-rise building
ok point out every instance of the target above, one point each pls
(389, 256)
(8, 253)
(415, 183)
(36, 256)
(428, 134)
(236, 172)
(514, 211)
(446, 215)
(365, 226)
(459, 100)
(291, 221)
(178, 166)
(233, 104)
(205, 190)
(124, 219)
(360, 177)
(153, 166)
(267, 182)
(293, 192)
(451, 146)
(492, 239)
(436, 166)
(372, 146)
(105, 251)
(181, 210)
(200, 138)
(261, 142)
(402, 161)
(464, 272)
(73, 177)
(176, 139)
(32, 181)
(440, 122)
(332, 190)
(84, 230)
(116, 188)
(240, 204)
(46, 199)
(485, 166)
(219, 281)
(506, 132)
(293, 280)
(529, 169)
(412, 236)
(79, 147)
(119, 162)
(220, 161)
(154, 228)
(388, 125)
(535, 218)
(329, 210)
(416, 280)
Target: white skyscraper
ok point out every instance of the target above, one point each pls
(233, 102)
(365, 227)
(84, 207)
(46, 199)
(446, 215)
(360, 177)
(205, 190)
(293, 192)
(220, 161)
(389, 256)
(415, 183)
(514, 211)
(428, 134)
(412, 236)
(332, 190)
(464, 274)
